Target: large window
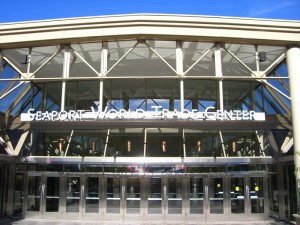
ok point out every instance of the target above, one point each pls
(148, 142)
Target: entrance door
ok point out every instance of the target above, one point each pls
(216, 192)
(247, 198)
(134, 198)
(197, 201)
(92, 209)
(155, 203)
(175, 196)
(239, 198)
(73, 190)
(258, 206)
(165, 198)
(114, 199)
(43, 196)
(123, 198)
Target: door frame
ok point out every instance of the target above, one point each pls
(42, 214)
(65, 198)
(144, 182)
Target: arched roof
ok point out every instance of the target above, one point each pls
(150, 26)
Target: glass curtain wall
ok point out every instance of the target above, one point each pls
(148, 142)
(142, 75)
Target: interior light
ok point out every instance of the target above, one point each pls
(129, 146)
(94, 146)
(61, 144)
(199, 145)
(233, 146)
(164, 146)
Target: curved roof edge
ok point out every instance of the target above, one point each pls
(177, 27)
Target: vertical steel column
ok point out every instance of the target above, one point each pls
(145, 142)
(66, 70)
(29, 63)
(11, 190)
(179, 70)
(293, 59)
(104, 61)
(181, 95)
(218, 71)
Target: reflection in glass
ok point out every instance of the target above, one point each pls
(133, 196)
(162, 143)
(192, 52)
(52, 194)
(81, 95)
(91, 52)
(200, 94)
(141, 61)
(237, 95)
(113, 195)
(200, 143)
(196, 195)
(257, 194)
(155, 196)
(34, 193)
(237, 194)
(174, 196)
(241, 143)
(52, 96)
(18, 194)
(92, 195)
(245, 53)
(73, 194)
(128, 143)
(216, 196)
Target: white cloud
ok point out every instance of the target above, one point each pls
(267, 9)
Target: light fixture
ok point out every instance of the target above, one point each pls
(94, 146)
(164, 146)
(61, 144)
(129, 146)
(199, 145)
(233, 146)
(262, 56)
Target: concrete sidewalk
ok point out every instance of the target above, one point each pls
(6, 221)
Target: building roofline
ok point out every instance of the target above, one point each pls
(159, 26)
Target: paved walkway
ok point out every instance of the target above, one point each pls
(4, 221)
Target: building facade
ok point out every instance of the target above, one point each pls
(150, 117)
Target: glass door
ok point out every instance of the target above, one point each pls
(155, 204)
(134, 199)
(73, 187)
(174, 198)
(238, 198)
(197, 199)
(91, 206)
(216, 192)
(34, 196)
(52, 197)
(114, 199)
(258, 206)
(43, 196)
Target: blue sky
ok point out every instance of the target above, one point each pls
(17, 10)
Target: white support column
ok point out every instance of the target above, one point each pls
(66, 69)
(104, 63)
(218, 70)
(181, 95)
(179, 58)
(179, 71)
(293, 60)
(29, 63)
